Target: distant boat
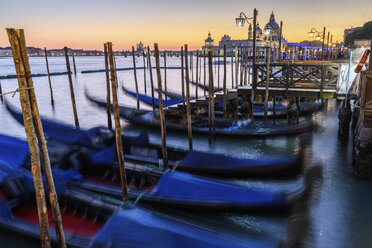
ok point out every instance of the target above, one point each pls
(148, 99)
(259, 108)
(240, 128)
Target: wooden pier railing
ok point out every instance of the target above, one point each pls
(300, 79)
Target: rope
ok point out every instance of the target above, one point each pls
(15, 91)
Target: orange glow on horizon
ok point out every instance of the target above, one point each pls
(89, 26)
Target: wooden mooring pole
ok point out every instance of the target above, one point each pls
(72, 94)
(232, 69)
(197, 74)
(224, 81)
(151, 78)
(212, 127)
(165, 75)
(188, 108)
(218, 70)
(118, 138)
(205, 73)
(135, 77)
(108, 92)
(31, 118)
(50, 81)
(73, 61)
(255, 76)
(267, 83)
(144, 72)
(182, 78)
(161, 110)
(245, 66)
(1, 94)
(280, 41)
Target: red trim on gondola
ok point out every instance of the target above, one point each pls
(72, 224)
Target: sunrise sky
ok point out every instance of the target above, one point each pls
(88, 24)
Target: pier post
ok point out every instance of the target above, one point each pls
(151, 78)
(237, 54)
(205, 75)
(197, 74)
(224, 81)
(108, 92)
(188, 107)
(344, 116)
(254, 81)
(182, 78)
(245, 66)
(241, 66)
(73, 61)
(192, 66)
(249, 68)
(292, 112)
(218, 70)
(1, 92)
(327, 45)
(232, 69)
(72, 94)
(161, 110)
(200, 66)
(49, 80)
(267, 83)
(324, 34)
(212, 128)
(118, 137)
(144, 71)
(165, 75)
(135, 77)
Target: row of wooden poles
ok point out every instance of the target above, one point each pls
(36, 138)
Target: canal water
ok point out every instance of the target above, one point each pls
(343, 215)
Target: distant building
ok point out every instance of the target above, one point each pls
(269, 39)
(362, 43)
(6, 51)
(349, 31)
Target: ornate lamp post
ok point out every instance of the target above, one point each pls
(240, 21)
(319, 36)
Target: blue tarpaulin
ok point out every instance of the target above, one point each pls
(138, 228)
(13, 151)
(220, 161)
(186, 187)
(148, 100)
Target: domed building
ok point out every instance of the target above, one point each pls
(272, 32)
(264, 38)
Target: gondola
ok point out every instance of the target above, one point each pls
(93, 220)
(171, 189)
(148, 99)
(171, 95)
(240, 128)
(281, 108)
(205, 87)
(139, 150)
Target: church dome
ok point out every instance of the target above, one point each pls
(209, 39)
(272, 24)
(258, 29)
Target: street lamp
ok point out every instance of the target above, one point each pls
(267, 29)
(240, 21)
(320, 36)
